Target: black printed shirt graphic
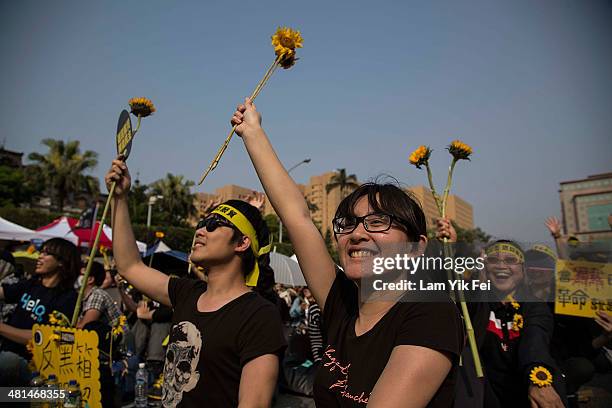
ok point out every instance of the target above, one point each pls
(182, 357)
(352, 364)
(207, 350)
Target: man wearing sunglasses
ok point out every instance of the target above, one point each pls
(225, 339)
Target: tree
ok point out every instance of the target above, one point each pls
(343, 182)
(177, 203)
(63, 167)
(15, 188)
(138, 202)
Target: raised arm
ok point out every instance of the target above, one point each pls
(288, 202)
(147, 280)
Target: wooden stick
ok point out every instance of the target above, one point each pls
(92, 254)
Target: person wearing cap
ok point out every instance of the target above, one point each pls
(225, 339)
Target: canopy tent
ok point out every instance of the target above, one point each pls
(166, 259)
(65, 227)
(286, 270)
(14, 232)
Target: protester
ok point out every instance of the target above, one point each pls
(313, 318)
(513, 333)
(98, 305)
(150, 330)
(49, 290)
(396, 354)
(225, 340)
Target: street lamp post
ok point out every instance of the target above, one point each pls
(280, 222)
(152, 200)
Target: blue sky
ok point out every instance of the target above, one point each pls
(526, 83)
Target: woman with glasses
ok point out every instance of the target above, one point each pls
(225, 339)
(513, 332)
(380, 352)
(50, 289)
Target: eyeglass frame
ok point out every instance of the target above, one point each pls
(503, 260)
(361, 220)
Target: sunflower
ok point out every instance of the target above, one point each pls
(288, 61)
(120, 327)
(159, 234)
(516, 305)
(142, 107)
(285, 41)
(517, 322)
(420, 156)
(540, 376)
(58, 319)
(459, 150)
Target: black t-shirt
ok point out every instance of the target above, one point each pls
(352, 364)
(34, 304)
(207, 350)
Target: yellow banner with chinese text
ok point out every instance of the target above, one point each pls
(583, 288)
(70, 354)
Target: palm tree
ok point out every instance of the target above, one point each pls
(63, 166)
(177, 203)
(343, 182)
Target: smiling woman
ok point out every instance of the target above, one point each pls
(49, 290)
(391, 353)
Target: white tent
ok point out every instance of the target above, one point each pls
(63, 228)
(60, 228)
(286, 270)
(14, 232)
(142, 247)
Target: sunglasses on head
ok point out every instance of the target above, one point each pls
(212, 223)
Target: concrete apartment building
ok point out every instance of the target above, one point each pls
(586, 207)
(324, 205)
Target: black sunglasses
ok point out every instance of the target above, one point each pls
(212, 223)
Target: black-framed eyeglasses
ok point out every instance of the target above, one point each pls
(213, 222)
(371, 222)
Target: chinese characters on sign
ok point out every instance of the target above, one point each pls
(70, 354)
(583, 288)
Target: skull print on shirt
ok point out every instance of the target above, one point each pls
(182, 357)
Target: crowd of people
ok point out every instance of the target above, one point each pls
(227, 335)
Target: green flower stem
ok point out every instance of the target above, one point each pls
(433, 188)
(256, 92)
(448, 252)
(191, 249)
(92, 254)
(449, 181)
(137, 126)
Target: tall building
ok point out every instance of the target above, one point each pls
(586, 207)
(323, 205)
(457, 209)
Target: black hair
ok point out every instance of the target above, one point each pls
(98, 273)
(261, 229)
(68, 257)
(390, 199)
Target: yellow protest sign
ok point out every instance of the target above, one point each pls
(583, 288)
(70, 354)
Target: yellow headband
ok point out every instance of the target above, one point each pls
(544, 249)
(505, 248)
(244, 225)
